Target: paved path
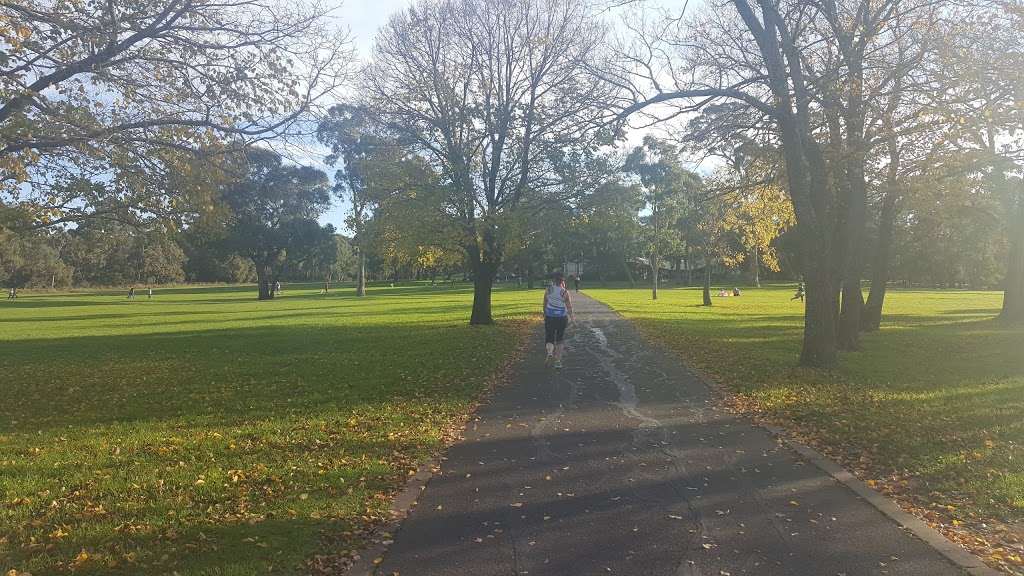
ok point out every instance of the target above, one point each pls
(624, 463)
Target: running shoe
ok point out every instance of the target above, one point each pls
(558, 364)
(550, 360)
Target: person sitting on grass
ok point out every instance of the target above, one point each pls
(724, 293)
(735, 291)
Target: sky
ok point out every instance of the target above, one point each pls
(364, 17)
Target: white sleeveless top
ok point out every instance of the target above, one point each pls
(556, 302)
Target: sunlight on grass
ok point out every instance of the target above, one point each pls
(203, 432)
(935, 398)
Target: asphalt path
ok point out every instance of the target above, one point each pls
(624, 462)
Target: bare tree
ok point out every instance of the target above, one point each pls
(807, 75)
(495, 93)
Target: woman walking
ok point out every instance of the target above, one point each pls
(557, 310)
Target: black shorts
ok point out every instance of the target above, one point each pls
(554, 328)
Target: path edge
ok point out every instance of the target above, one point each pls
(952, 551)
(402, 505)
(404, 502)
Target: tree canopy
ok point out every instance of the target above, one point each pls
(115, 106)
(273, 215)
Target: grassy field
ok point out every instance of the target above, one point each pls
(203, 432)
(929, 410)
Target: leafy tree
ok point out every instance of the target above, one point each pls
(434, 260)
(493, 93)
(751, 177)
(665, 186)
(530, 251)
(33, 261)
(114, 253)
(761, 211)
(953, 234)
(978, 72)
(346, 262)
(129, 96)
(318, 265)
(210, 261)
(355, 141)
(708, 233)
(611, 227)
(274, 211)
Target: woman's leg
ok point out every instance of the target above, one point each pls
(559, 337)
(549, 340)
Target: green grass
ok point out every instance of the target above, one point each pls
(930, 409)
(203, 432)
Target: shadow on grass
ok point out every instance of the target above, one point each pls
(212, 545)
(61, 301)
(249, 372)
(973, 312)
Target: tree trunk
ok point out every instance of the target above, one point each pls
(265, 278)
(655, 261)
(625, 267)
(871, 318)
(856, 213)
(686, 258)
(529, 277)
(853, 296)
(483, 281)
(484, 257)
(805, 173)
(755, 264)
(1013, 286)
(707, 282)
(819, 346)
(654, 278)
(361, 274)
